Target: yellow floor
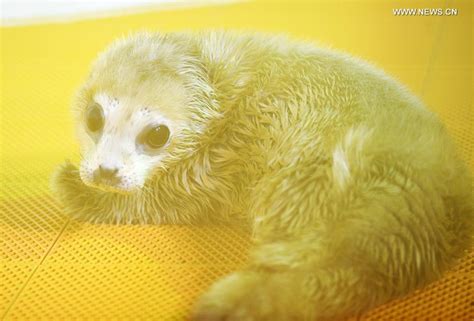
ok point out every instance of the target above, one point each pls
(56, 268)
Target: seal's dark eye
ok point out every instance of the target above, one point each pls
(94, 118)
(156, 136)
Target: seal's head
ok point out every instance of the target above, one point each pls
(142, 107)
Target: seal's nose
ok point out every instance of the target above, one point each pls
(106, 172)
(106, 175)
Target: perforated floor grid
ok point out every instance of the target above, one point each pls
(53, 267)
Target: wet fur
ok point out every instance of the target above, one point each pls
(353, 189)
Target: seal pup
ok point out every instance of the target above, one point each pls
(353, 190)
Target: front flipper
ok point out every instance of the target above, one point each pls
(79, 200)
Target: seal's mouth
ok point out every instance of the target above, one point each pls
(106, 180)
(110, 188)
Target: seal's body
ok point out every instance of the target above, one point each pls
(352, 188)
